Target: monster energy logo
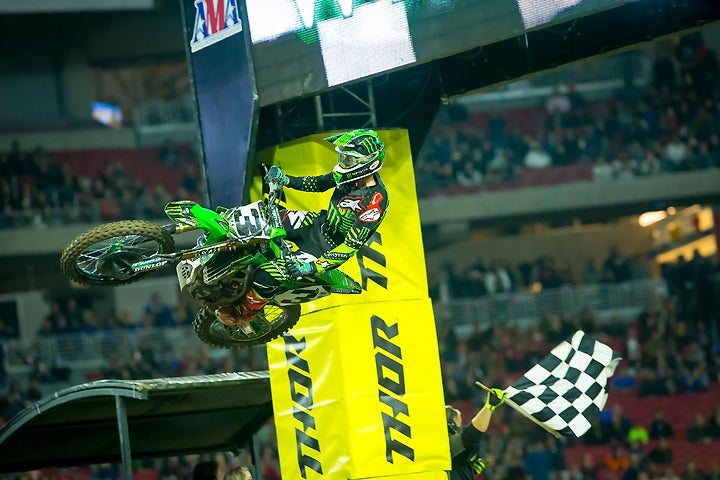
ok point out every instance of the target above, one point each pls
(366, 273)
(391, 391)
(301, 394)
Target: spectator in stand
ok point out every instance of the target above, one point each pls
(588, 468)
(660, 428)
(159, 311)
(697, 379)
(590, 273)
(74, 314)
(238, 473)
(698, 430)
(170, 154)
(616, 268)
(664, 74)
(662, 454)
(619, 426)
(602, 169)
(558, 102)
(617, 459)
(270, 468)
(468, 176)
(669, 474)
(537, 157)
(692, 472)
(633, 349)
(634, 468)
(207, 470)
(713, 425)
(714, 473)
(191, 180)
(637, 434)
(538, 462)
(677, 154)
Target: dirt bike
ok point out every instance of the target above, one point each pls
(217, 272)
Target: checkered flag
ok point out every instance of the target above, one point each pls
(566, 391)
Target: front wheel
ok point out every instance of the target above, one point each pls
(271, 322)
(103, 255)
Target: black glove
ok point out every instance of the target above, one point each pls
(495, 398)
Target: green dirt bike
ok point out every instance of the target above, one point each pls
(216, 272)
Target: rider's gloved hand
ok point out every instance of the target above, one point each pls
(276, 176)
(297, 269)
(495, 398)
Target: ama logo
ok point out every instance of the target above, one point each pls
(214, 21)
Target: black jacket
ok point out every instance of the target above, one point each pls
(463, 446)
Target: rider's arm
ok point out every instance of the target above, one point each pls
(355, 239)
(309, 183)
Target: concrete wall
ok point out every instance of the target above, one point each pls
(571, 197)
(576, 245)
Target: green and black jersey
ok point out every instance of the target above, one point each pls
(336, 234)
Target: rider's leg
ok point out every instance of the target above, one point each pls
(264, 286)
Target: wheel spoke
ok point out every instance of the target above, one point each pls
(141, 245)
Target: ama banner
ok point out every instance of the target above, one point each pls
(356, 385)
(220, 65)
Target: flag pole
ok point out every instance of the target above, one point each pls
(523, 412)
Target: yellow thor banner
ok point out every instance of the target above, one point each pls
(356, 385)
(356, 394)
(385, 279)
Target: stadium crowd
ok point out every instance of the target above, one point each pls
(671, 125)
(37, 189)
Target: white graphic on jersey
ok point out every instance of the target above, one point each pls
(351, 203)
(372, 215)
(296, 218)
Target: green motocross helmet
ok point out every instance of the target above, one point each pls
(360, 153)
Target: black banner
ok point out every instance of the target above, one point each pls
(224, 87)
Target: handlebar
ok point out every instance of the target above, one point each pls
(272, 199)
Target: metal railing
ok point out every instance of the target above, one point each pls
(95, 350)
(525, 307)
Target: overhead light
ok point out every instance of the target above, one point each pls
(648, 218)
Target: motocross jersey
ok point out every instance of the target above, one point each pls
(336, 234)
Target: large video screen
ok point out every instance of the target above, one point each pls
(542, 12)
(304, 46)
(346, 40)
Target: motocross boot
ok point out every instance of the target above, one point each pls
(243, 312)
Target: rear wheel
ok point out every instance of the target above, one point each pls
(103, 255)
(271, 322)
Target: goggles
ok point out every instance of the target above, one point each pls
(347, 160)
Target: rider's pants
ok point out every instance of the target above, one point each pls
(304, 229)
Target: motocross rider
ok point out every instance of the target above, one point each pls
(357, 207)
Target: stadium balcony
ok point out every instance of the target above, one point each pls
(524, 308)
(83, 355)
